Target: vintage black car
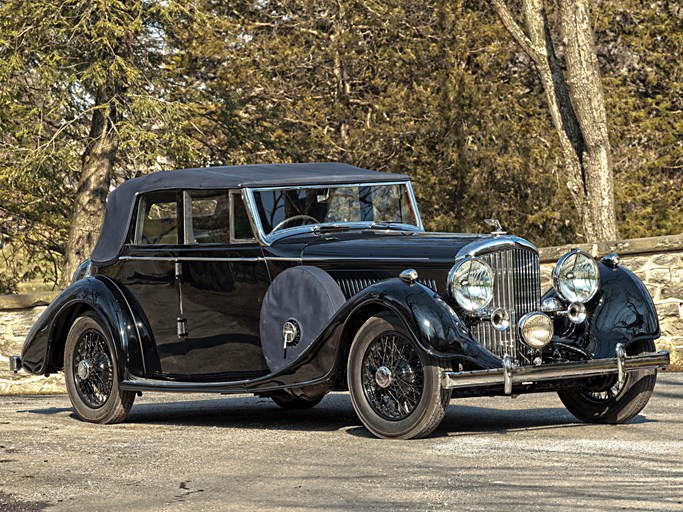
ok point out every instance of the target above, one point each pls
(293, 280)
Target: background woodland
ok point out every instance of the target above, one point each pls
(105, 90)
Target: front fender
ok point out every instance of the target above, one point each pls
(622, 311)
(433, 323)
(45, 342)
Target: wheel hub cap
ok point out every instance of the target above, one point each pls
(83, 369)
(383, 377)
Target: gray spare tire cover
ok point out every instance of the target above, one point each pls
(309, 297)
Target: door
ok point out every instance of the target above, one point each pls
(149, 273)
(224, 278)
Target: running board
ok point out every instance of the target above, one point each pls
(510, 375)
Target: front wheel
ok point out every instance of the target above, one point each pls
(91, 373)
(611, 402)
(395, 386)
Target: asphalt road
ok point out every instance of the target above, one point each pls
(244, 453)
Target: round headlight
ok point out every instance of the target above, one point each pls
(536, 329)
(470, 283)
(576, 276)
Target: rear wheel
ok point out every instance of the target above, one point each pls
(395, 386)
(611, 402)
(91, 373)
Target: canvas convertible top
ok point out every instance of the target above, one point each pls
(121, 201)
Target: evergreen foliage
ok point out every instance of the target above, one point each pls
(433, 89)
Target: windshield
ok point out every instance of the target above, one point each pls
(286, 208)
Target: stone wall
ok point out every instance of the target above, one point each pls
(657, 261)
(18, 313)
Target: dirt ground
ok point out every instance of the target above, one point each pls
(244, 453)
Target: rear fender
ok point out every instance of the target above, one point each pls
(44, 347)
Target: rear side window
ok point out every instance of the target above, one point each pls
(207, 218)
(157, 219)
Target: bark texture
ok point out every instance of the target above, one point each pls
(343, 89)
(576, 104)
(93, 186)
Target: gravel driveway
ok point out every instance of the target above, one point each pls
(244, 453)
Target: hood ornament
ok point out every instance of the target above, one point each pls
(497, 228)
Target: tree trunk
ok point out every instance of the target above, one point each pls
(343, 89)
(576, 106)
(93, 186)
(589, 105)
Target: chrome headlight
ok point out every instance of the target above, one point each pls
(470, 283)
(576, 276)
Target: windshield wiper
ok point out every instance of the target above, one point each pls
(385, 224)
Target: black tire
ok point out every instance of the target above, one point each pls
(395, 386)
(91, 373)
(610, 403)
(287, 401)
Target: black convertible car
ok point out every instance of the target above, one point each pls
(293, 280)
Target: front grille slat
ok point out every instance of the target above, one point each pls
(352, 286)
(517, 289)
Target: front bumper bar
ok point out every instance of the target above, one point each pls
(510, 375)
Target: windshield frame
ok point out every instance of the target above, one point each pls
(312, 228)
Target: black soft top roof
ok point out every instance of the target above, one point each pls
(121, 201)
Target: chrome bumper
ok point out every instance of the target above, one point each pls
(510, 375)
(14, 363)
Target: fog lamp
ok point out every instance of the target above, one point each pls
(536, 329)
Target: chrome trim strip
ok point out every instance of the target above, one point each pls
(416, 210)
(479, 247)
(266, 258)
(533, 374)
(329, 185)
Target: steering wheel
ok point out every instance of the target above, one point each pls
(294, 217)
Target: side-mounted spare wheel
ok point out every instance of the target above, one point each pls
(611, 402)
(91, 373)
(395, 386)
(298, 305)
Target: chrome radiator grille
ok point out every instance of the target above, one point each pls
(517, 288)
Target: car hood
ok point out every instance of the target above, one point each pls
(389, 246)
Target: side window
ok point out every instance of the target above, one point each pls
(241, 227)
(157, 219)
(206, 218)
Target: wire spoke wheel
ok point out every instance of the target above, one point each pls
(395, 385)
(609, 401)
(91, 375)
(393, 379)
(608, 394)
(92, 369)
